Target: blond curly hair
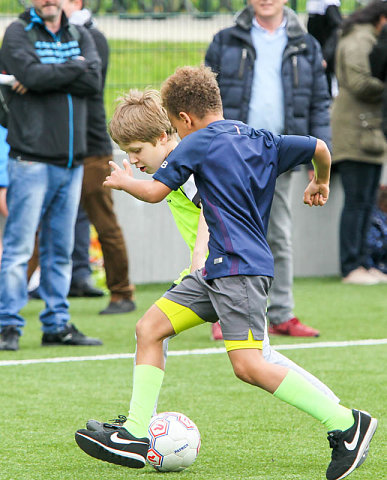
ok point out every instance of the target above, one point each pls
(191, 90)
(139, 116)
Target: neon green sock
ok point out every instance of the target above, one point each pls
(146, 387)
(297, 391)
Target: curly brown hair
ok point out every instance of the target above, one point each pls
(139, 116)
(191, 90)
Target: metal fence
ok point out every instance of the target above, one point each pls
(163, 8)
(149, 38)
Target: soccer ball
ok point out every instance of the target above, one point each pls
(174, 442)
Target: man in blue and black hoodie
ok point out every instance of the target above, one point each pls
(56, 67)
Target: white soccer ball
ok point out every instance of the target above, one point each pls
(174, 442)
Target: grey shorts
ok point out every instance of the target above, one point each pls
(239, 302)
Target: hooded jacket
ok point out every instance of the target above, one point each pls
(48, 123)
(357, 109)
(232, 55)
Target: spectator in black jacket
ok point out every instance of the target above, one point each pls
(95, 199)
(56, 67)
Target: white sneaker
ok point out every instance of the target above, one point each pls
(378, 274)
(360, 276)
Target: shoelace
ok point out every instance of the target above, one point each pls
(333, 443)
(117, 421)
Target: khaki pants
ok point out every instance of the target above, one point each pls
(97, 201)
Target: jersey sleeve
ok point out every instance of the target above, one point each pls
(182, 162)
(294, 150)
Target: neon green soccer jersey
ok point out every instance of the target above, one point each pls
(184, 204)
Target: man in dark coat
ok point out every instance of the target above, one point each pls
(271, 75)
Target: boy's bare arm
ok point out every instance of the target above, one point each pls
(151, 191)
(317, 192)
(200, 250)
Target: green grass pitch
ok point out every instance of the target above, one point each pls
(246, 433)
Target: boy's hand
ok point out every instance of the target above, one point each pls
(316, 194)
(119, 176)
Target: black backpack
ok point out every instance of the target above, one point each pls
(6, 92)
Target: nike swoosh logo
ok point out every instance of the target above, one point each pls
(353, 444)
(116, 439)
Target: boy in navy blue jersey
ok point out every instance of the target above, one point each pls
(235, 168)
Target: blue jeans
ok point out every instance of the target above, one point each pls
(45, 195)
(360, 183)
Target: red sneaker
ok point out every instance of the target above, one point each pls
(293, 328)
(216, 331)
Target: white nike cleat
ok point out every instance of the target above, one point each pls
(114, 444)
(350, 447)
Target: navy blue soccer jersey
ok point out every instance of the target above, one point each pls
(235, 168)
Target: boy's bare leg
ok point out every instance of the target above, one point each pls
(289, 386)
(151, 330)
(250, 367)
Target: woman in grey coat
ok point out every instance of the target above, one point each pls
(359, 147)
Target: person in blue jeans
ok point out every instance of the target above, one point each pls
(45, 164)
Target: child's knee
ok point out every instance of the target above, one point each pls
(247, 367)
(153, 326)
(241, 371)
(144, 328)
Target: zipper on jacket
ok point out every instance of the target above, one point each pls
(295, 70)
(243, 63)
(71, 131)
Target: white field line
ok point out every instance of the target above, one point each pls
(199, 351)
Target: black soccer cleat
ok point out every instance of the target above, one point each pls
(350, 447)
(114, 444)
